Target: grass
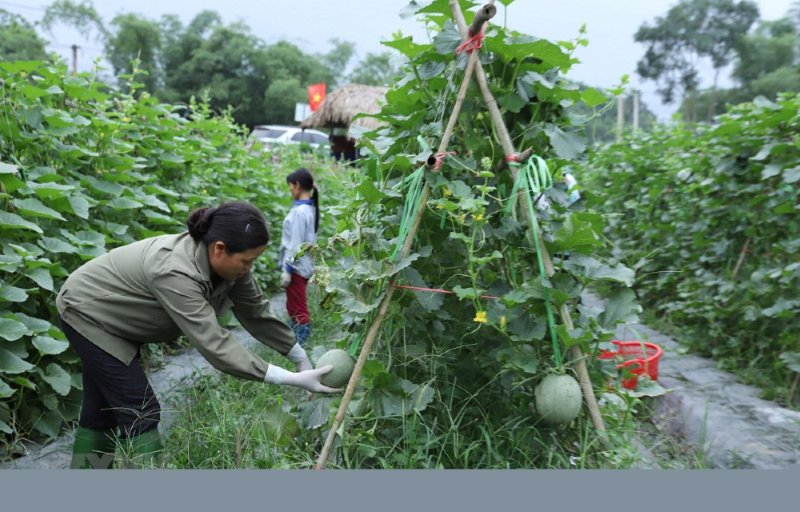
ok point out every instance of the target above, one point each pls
(228, 423)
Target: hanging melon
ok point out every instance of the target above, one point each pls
(558, 399)
(343, 366)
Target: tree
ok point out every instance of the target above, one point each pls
(136, 37)
(19, 40)
(280, 100)
(692, 30)
(337, 59)
(81, 16)
(375, 69)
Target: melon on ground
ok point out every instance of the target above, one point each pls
(343, 366)
(558, 399)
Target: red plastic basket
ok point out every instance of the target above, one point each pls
(640, 357)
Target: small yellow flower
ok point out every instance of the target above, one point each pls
(102, 134)
(448, 192)
(462, 218)
(205, 191)
(479, 217)
(480, 317)
(23, 74)
(502, 322)
(127, 119)
(440, 207)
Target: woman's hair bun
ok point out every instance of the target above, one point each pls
(200, 222)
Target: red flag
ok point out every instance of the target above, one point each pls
(316, 94)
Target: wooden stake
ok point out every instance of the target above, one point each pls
(508, 148)
(487, 12)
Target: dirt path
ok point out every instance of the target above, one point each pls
(725, 420)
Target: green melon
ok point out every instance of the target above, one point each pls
(343, 366)
(558, 399)
(527, 349)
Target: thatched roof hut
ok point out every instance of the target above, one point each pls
(342, 105)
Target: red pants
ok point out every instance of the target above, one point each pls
(296, 303)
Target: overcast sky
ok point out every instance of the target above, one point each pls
(312, 23)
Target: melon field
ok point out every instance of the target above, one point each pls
(451, 262)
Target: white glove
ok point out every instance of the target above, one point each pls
(308, 380)
(286, 279)
(299, 357)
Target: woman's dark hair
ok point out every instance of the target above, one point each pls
(239, 225)
(306, 181)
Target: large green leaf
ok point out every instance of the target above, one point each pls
(58, 378)
(56, 245)
(621, 307)
(14, 221)
(50, 346)
(567, 145)
(12, 329)
(35, 208)
(9, 363)
(42, 277)
(10, 293)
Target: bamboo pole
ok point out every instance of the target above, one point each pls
(508, 149)
(484, 15)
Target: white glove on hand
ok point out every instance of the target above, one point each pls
(308, 380)
(299, 357)
(286, 279)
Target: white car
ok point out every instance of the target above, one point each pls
(269, 135)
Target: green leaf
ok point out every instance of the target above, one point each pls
(80, 206)
(14, 221)
(407, 46)
(124, 203)
(160, 218)
(10, 293)
(56, 245)
(567, 145)
(42, 277)
(467, 293)
(520, 48)
(791, 360)
(58, 378)
(35, 208)
(370, 192)
(431, 69)
(315, 413)
(646, 387)
(51, 190)
(782, 308)
(446, 41)
(594, 269)
(50, 346)
(49, 424)
(11, 329)
(791, 175)
(9, 363)
(591, 97)
(575, 233)
(35, 325)
(281, 426)
(5, 392)
(8, 168)
(621, 307)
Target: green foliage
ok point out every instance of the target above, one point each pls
(691, 31)
(83, 171)
(375, 69)
(456, 362)
(18, 39)
(710, 219)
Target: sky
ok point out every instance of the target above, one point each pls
(311, 24)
